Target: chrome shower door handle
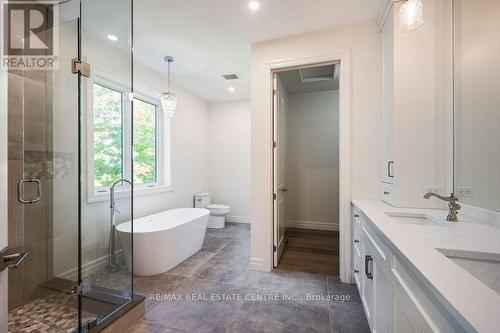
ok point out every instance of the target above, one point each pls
(20, 190)
(11, 260)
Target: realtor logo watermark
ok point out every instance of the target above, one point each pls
(30, 35)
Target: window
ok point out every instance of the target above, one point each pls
(145, 151)
(111, 144)
(108, 139)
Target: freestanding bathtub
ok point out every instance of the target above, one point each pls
(165, 239)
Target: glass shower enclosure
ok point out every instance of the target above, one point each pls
(70, 272)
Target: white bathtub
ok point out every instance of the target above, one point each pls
(165, 239)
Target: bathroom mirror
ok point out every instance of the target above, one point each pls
(477, 103)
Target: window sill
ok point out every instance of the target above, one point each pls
(138, 192)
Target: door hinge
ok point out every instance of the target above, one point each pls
(82, 288)
(275, 92)
(274, 248)
(80, 67)
(275, 144)
(274, 196)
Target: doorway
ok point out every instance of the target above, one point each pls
(306, 169)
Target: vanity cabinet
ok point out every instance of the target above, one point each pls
(394, 297)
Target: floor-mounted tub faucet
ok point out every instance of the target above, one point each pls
(453, 205)
(113, 211)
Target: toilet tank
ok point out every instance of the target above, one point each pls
(202, 199)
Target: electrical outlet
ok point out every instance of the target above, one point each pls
(432, 189)
(465, 191)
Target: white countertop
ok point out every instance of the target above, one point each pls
(474, 304)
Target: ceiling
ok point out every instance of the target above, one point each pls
(209, 38)
(295, 85)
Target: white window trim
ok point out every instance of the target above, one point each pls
(163, 131)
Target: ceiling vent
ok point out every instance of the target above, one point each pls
(232, 76)
(320, 73)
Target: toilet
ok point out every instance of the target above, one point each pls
(217, 218)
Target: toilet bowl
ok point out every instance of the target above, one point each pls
(218, 213)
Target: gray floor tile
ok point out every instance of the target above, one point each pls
(199, 306)
(145, 326)
(190, 265)
(214, 243)
(274, 317)
(337, 288)
(348, 317)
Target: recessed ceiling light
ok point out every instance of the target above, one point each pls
(254, 5)
(231, 89)
(112, 38)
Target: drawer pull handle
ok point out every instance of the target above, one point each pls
(369, 267)
(356, 271)
(356, 215)
(389, 169)
(356, 241)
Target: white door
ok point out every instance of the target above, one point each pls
(279, 123)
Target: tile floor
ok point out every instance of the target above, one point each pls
(214, 291)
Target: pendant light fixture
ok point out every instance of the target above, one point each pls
(168, 99)
(411, 17)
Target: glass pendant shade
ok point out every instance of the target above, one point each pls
(168, 99)
(169, 103)
(411, 17)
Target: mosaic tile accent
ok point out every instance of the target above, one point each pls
(55, 314)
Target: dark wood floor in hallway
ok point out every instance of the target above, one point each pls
(311, 251)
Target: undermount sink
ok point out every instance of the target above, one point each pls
(483, 266)
(413, 218)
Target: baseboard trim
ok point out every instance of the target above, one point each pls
(312, 225)
(257, 264)
(238, 219)
(89, 268)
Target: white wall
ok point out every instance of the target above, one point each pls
(312, 162)
(188, 149)
(229, 157)
(364, 44)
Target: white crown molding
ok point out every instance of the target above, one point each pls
(238, 219)
(314, 225)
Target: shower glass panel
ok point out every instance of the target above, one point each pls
(105, 96)
(43, 175)
(69, 141)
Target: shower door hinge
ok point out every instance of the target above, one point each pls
(274, 144)
(274, 248)
(274, 196)
(82, 288)
(80, 67)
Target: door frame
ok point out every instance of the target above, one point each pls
(345, 87)
(3, 196)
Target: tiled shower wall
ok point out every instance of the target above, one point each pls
(30, 230)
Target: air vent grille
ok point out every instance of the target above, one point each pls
(320, 73)
(231, 76)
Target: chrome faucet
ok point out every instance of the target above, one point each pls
(113, 211)
(453, 205)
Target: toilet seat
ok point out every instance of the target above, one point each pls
(216, 209)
